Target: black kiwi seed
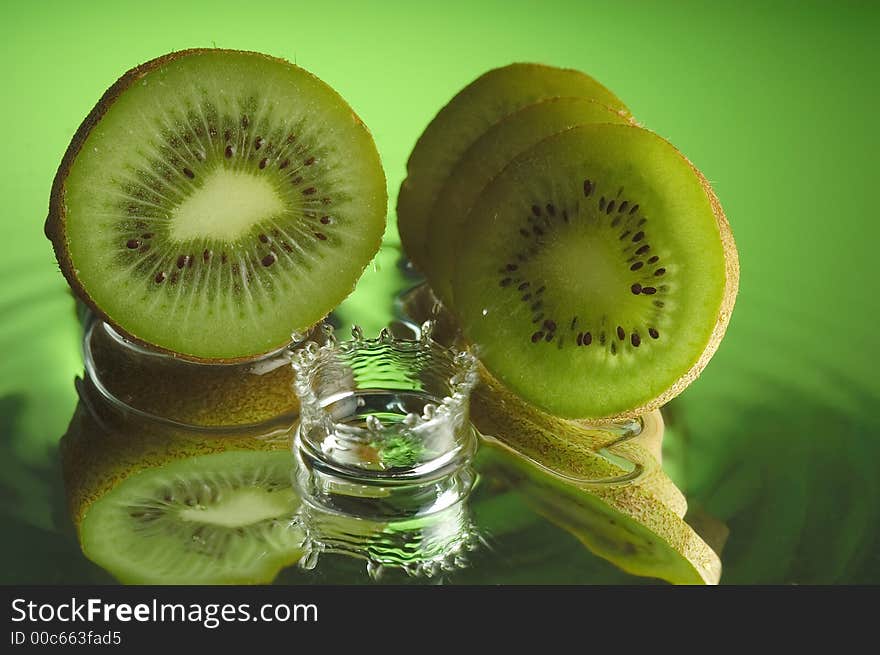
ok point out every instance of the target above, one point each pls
(645, 248)
(133, 244)
(654, 334)
(258, 143)
(229, 151)
(523, 286)
(649, 291)
(580, 338)
(653, 259)
(189, 173)
(620, 333)
(635, 340)
(623, 206)
(264, 238)
(160, 277)
(609, 207)
(638, 236)
(536, 210)
(634, 209)
(588, 339)
(537, 336)
(659, 272)
(636, 266)
(320, 236)
(325, 220)
(588, 188)
(263, 162)
(551, 209)
(549, 337)
(268, 260)
(636, 289)
(284, 164)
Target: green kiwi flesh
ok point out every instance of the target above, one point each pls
(597, 273)
(460, 123)
(215, 201)
(153, 507)
(486, 158)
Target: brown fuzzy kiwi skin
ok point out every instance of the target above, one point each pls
(195, 394)
(100, 451)
(55, 227)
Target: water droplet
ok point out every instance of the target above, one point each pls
(374, 569)
(310, 559)
(485, 312)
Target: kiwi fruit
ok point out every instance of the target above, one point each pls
(199, 394)
(634, 531)
(485, 159)
(152, 507)
(597, 273)
(215, 201)
(483, 102)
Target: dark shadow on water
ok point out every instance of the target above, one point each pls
(796, 479)
(40, 545)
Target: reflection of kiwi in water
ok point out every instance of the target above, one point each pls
(161, 508)
(634, 531)
(597, 273)
(214, 202)
(489, 98)
(198, 394)
(482, 161)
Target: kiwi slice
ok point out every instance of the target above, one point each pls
(483, 102)
(597, 273)
(215, 201)
(158, 508)
(485, 159)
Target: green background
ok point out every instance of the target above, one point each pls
(774, 102)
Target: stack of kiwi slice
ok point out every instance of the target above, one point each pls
(587, 260)
(590, 266)
(212, 208)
